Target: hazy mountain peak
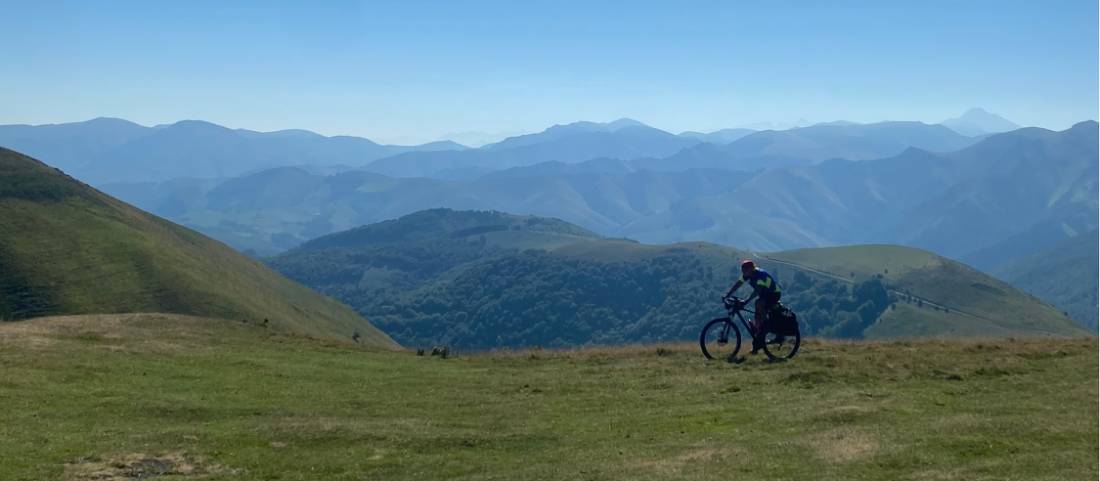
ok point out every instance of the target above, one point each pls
(197, 125)
(723, 136)
(623, 123)
(1085, 124)
(560, 133)
(838, 122)
(443, 145)
(978, 121)
(589, 126)
(110, 121)
(296, 133)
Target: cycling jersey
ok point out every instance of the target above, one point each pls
(762, 283)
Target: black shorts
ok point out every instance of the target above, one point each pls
(770, 299)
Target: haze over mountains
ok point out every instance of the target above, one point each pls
(987, 199)
(1011, 183)
(105, 150)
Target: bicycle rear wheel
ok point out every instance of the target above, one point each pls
(782, 347)
(720, 339)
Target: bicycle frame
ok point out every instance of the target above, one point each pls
(737, 312)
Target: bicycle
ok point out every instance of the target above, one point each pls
(722, 335)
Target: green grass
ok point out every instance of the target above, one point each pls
(111, 394)
(66, 248)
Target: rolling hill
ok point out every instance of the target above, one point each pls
(487, 286)
(957, 299)
(1065, 274)
(66, 248)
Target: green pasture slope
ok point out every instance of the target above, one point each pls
(183, 398)
(66, 248)
(976, 304)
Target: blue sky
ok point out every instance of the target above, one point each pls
(415, 71)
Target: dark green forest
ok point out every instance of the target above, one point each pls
(458, 288)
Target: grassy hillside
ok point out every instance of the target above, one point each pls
(128, 397)
(976, 303)
(1065, 274)
(66, 248)
(465, 292)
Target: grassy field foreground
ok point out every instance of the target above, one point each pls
(178, 398)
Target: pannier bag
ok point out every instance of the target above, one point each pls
(783, 321)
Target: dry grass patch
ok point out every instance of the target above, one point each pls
(132, 466)
(136, 332)
(844, 445)
(673, 467)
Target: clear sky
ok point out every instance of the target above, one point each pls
(408, 71)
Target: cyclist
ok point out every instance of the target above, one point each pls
(766, 291)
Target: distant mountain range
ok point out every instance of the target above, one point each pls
(813, 144)
(1008, 184)
(107, 150)
(987, 200)
(115, 150)
(490, 280)
(1004, 197)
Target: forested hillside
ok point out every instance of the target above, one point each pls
(472, 290)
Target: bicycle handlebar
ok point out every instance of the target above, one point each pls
(735, 303)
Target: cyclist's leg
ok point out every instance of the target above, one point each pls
(760, 311)
(773, 303)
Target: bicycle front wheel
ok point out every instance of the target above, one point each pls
(720, 339)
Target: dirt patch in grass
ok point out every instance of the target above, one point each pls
(844, 445)
(843, 414)
(670, 467)
(138, 466)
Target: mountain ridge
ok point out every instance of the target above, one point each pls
(113, 150)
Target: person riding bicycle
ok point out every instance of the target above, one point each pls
(767, 292)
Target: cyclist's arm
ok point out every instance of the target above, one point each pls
(736, 286)
(751, 297)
